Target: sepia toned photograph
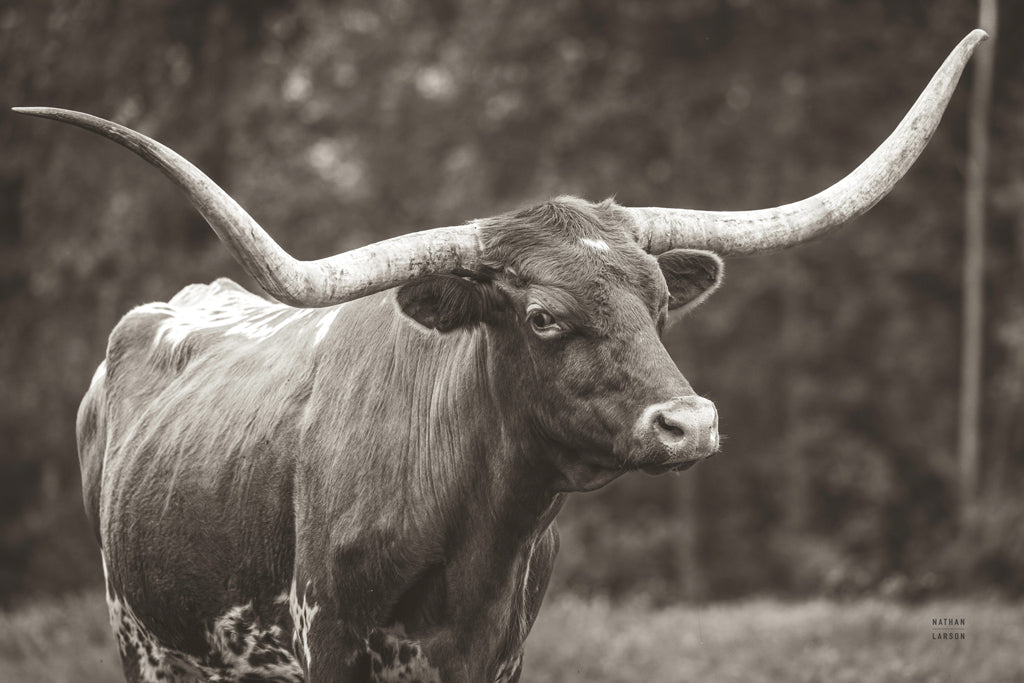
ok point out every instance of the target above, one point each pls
(466, 341)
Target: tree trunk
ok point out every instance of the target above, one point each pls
(974, 267)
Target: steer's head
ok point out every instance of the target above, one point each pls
(581, 291)
(576, 308)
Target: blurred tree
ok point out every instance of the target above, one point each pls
(338, 122)
(974, 268)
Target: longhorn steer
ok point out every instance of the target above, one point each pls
(365, 489)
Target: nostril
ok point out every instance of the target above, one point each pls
(668, 425)
(682, 428)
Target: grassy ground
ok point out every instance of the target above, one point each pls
(60, 641)
(575, 640)
(766, 640)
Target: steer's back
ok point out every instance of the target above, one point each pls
(186, 438)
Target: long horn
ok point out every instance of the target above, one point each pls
(310, 284)
(752, 232)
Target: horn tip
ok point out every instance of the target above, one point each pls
(976, 36)
(48, 112)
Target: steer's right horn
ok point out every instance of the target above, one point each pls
(309, 284)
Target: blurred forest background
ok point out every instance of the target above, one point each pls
(835, 367)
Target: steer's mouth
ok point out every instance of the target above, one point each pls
(675, 466)
(671, 467)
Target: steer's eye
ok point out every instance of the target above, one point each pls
(542, 322)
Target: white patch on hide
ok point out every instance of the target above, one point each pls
(324, 324)
(239, 646)
(599, 245)
(242, 314)
(136, 644)
(247, 648)
(302, 613)
(509, 670)
(265, 326)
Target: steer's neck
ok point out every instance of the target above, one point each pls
(421, 479)
(478, 483)
(426, 420)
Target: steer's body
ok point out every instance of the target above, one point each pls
(343, 488)
(344, 450)
(385, 445)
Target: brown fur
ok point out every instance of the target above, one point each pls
(404, 472)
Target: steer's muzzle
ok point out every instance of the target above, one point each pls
(675, 434)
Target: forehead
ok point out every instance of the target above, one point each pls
(587, 250)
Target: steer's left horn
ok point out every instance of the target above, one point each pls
(752, 232)
(310, 284)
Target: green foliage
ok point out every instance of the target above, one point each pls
(834, 367)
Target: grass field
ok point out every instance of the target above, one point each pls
(67, 641)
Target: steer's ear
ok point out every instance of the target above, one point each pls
(444, 302)
(692, 275)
